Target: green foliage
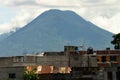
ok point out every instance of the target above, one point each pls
(30, 75)
(116, 41)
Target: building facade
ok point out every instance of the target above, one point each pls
(82, 65)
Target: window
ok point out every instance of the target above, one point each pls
(12, 75)
(99, 58)
(109, 76)
(112, 58)
(18, 59)
(103, 58)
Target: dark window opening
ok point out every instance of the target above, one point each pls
(112, 58)
(12, 75)
(98, 60)
(118, 75)
(109, 76)
(103, 58)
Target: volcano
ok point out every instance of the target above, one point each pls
(51, 31)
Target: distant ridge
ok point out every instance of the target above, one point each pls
(51, 31)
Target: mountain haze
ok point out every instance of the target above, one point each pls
(51, 31)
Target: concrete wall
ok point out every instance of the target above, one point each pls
(27, 60)
(5, 71)
(5, 61)
(56, 61)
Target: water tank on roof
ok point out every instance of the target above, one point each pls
(90, 50)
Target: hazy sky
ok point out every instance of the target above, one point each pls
(17, 13)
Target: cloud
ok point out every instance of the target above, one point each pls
(4, 28)
(100, 1)
(42, 3)
(102, 13)
(20, 20)
(61, 3)
(17, 2)
(111, 24)
(1, 15)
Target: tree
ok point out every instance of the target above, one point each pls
(30, 75)
(116, 41)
